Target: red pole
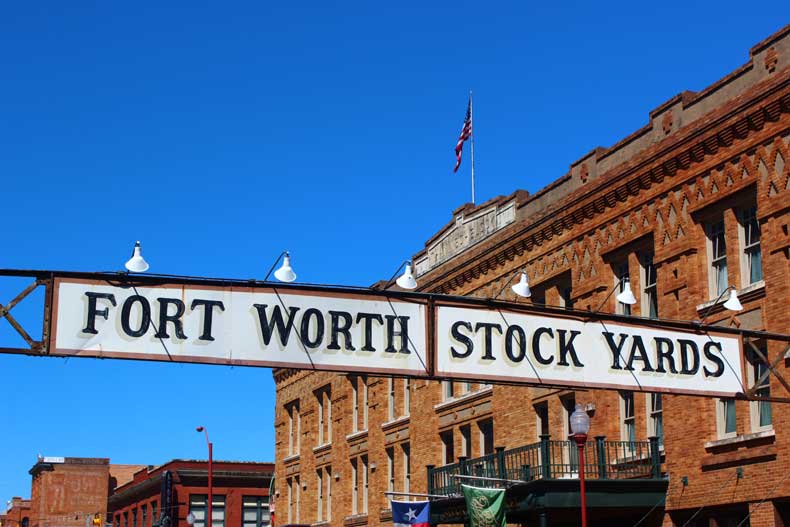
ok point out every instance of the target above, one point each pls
(580, 440)
(210, 521)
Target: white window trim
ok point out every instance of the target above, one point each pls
(406, 449)
(406, 396)
(390, 451)
(328, 495)
(621, 269)
(650, 419)
(754, 406)
(623, 425)
(365, 483)
(320, 494)
(744, 257)
(390, 399)
(644, 286)
(721, 421)
(713, 290)
(355, 486)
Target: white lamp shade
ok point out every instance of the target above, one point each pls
(136, 263)
(732, 303)
(285, 273)
(626, 296)
(580, 421)
(522, 287)
(406, 280)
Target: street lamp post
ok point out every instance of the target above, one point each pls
(208, 522)
(580, 425)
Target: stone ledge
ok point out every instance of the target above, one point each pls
(355, 520)
(463, 399)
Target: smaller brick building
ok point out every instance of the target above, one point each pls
(17, 513)
(66, 490)
(165, 495)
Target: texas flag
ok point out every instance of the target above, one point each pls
(411, 513)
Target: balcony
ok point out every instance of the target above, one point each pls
(551, 460)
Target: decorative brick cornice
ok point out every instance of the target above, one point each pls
(736, 120)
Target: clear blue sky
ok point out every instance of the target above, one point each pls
(220, 134)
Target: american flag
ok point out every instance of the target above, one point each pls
(466, 133)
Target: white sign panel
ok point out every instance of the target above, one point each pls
(535, 349)
(238, 325)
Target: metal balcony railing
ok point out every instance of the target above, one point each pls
(549, 459)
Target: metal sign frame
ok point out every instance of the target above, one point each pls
(48, 279)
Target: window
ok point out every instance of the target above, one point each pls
(542, 414)
(144, 514)
(294, 427)
(448, 450)
(620, 277)
(486, 436)
(359, 484)
(466, 387)
(319, 516)
(324, 397)
(725, 418)
(298, 485)
(649, 288)
(655, 417)
(255, 511)
(359, 392)
(718, 257)
(117, 520)
(466, 440)
(752, 267)
(406, 467)
(628, 427)
(406, 396)
(390, 469)
(757, 370)
(134, 517)
(391, 399)
(198, 504)
(290, 483)
(328, 492)
(154, 519)
(125, 519)
(448, 388)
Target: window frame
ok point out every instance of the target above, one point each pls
(747, 219)
(648, 270)
(755, 367)
(717, 265)
(721, 418)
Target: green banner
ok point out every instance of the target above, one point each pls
(486, 507)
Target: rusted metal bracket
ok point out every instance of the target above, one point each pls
(34, 345)
(771, 369)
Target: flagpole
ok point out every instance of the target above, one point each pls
(472, 120)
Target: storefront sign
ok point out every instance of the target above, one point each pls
(372, 332)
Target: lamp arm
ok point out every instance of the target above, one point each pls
(274, 265)
(710, 307)
(507, 284)
(391, 280)
(611, 291)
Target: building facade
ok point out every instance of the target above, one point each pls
(17, 513)
(695, 202)
(166, 495)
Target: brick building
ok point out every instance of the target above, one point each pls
(65, 490)
(17, 513)
(695, 201)
(240, 495)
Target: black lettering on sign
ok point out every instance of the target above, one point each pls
(536, 345)
(90, 322)
(341, 325)
(521, 343)
(367, 328)
(455, 331)
(208, 315)
(615, 349)
(638, 352)
(174, 319)
(714, 358)
(488, 327)
(145, 316)
(664, 350)
(312, 314)
(403, 334)
(267, 325)
(689, 357)
(566, 348)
